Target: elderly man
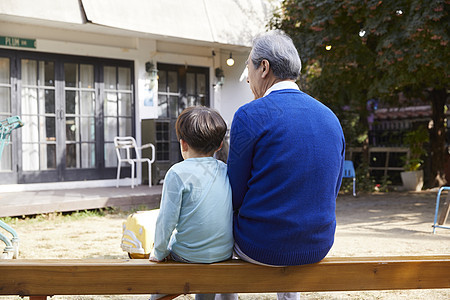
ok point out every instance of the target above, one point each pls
(285, 163)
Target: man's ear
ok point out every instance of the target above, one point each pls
(184, 145)
(265, 65)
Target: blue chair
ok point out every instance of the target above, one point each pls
(349, 172)
(441, 223)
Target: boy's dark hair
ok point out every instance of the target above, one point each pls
(202, 128)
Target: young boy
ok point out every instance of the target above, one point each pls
(194, 224)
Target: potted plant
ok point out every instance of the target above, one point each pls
(412, 177)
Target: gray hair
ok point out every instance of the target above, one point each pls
(279, 50)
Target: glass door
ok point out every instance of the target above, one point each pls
(78, 115)
(117, 110)
(40, 115)
(178, 87)
(8, 159)
(68, 133)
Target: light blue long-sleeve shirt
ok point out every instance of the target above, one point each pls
(195, 219)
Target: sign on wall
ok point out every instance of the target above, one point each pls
(148, 97)
(17, 42)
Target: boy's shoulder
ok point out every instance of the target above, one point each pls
(221, 163)
(195, 170)
(178, 167)
(190, 165)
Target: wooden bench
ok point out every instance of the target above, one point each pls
(46, 277)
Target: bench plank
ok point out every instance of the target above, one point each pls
(26, 277)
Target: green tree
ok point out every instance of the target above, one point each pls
(355, 50)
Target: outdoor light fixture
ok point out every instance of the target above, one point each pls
(230, 61)
(151, 69)
(328, 47)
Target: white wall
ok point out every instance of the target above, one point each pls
(235, 93)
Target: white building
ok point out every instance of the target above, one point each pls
(75, 72)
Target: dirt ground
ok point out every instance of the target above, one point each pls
(368, 225)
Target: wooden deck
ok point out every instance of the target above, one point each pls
(38, 202)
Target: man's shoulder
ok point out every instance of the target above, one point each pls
(254, 106)
(271, 103)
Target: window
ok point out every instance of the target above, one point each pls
(5, 109)
(179, 87)
(118, 108)
(162, 144)
(79, 115)
(39, 115)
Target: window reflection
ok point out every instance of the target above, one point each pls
(4, 70)
(29, 72)
(71, 155)
(183, 103)
(70, 75)
(190, 83)
(80, 115)
(87, 103)
(49, 100)
(124, 104)
(5, 105)
(201, 83)
(124, 82)
(162, 107)
(48, 69)
(50, 129)
(172, 81)
(117, 107)
(71, 102)
(162, 81)
(71, 129)
(51, 156)
(87, 76)
(109, 74)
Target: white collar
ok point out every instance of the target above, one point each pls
(282, 85)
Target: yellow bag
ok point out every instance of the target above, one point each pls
(138, 233)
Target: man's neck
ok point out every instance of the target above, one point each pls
(273, 87)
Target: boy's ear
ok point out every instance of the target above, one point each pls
(184, 145)
(220, 147)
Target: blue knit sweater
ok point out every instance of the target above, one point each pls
(285, 169)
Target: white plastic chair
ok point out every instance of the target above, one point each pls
(128, 143)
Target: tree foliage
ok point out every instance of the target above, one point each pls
(378, 49)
